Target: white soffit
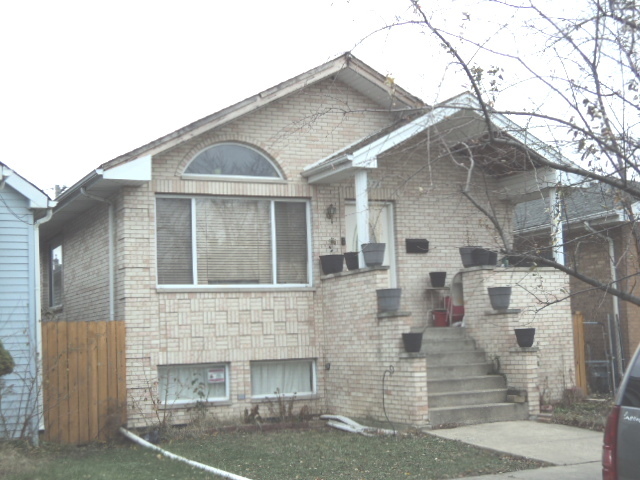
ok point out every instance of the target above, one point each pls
(37, 198)
(138, 170)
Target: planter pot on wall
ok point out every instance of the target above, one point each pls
(412, 342)
(438, 279)
(466, 255)
(525, 336)
(331, 263)
(477, 256)
(440, 318)
(500, 297)
(389, 299)
(373, 254)
(352, 260)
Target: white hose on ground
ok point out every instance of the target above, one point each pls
(134, 438)
(351, 426)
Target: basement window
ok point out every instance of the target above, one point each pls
(283, 377)
(184, 384)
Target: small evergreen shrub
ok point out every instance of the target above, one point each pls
(6, 361)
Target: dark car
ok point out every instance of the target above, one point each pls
(621, 450)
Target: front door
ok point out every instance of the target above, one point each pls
(380, 231)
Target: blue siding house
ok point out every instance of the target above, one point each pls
(23, 207)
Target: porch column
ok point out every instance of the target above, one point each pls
(557, 231)
(362, 210)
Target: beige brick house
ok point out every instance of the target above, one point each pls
(205, 243)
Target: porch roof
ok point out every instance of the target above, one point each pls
(459, 123)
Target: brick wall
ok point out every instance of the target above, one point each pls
(360, 346)
(534, 299)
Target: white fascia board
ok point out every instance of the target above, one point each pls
(138, 170)
(333, 171)
(36, 197)
(367, 157)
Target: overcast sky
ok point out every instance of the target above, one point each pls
(86, 81)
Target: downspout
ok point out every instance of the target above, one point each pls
(112, 300)
(36, 419)
(614, 283)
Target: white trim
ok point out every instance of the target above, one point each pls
(138, 170)
(37, 198)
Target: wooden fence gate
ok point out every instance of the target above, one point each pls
(84, 380)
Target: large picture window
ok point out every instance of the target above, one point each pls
(283, 377)
(232, 241)
(178, 384)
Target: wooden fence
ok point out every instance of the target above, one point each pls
(84, 380)
(579, 352)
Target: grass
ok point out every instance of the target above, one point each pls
(304, 454)
(590, 413)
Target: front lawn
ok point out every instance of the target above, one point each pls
(309, 454)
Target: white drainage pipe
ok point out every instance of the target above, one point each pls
(202, 466)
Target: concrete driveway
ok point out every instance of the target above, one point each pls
(574, 452)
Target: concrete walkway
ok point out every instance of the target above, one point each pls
(575, 452)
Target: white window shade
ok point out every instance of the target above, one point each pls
(234, 241)
(173, 226)
(286, 377)
(291, 242)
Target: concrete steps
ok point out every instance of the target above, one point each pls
(471, 414)
(461, 387)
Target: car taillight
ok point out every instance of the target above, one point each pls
(610, 446)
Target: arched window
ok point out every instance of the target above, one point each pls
(234, 160)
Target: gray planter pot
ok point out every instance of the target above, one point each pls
(412, 342)
(389, 299)
(525, 336)
(331, 263)
(352, 260)
(466, 255)
(438, 279)
(373, 254)
(500, 297)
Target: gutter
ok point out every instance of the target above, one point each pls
(111, 254)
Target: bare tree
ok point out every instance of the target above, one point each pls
(578, 69)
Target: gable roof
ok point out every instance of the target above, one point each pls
(462, 119)
(134, 167)
(37, 198)
(346, 68)
(594, 202)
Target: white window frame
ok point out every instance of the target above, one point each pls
(53, 246)
(314, 376)
(234, 178)
(190, 401)
(234, 286)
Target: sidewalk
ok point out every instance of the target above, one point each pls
(576, 452)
